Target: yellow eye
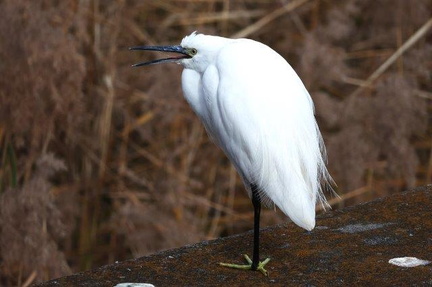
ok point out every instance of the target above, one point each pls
(193, 51)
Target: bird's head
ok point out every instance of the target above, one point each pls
(195, 51)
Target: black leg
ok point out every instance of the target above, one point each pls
(256, 201)
(255, 263)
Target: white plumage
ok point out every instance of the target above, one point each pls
(256, 108)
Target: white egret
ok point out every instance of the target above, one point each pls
(257, 110)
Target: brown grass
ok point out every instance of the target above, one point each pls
(101, 162)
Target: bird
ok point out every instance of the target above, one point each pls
(255, 107)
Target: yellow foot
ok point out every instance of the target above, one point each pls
(249, 265)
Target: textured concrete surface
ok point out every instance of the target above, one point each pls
(349, 247)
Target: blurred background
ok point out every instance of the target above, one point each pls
(101, 162)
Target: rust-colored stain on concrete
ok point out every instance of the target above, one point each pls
(349, 247)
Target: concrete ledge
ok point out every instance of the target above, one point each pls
(349, 247)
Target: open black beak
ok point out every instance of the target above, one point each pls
(172, 49)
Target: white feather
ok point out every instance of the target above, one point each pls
(257, 110)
